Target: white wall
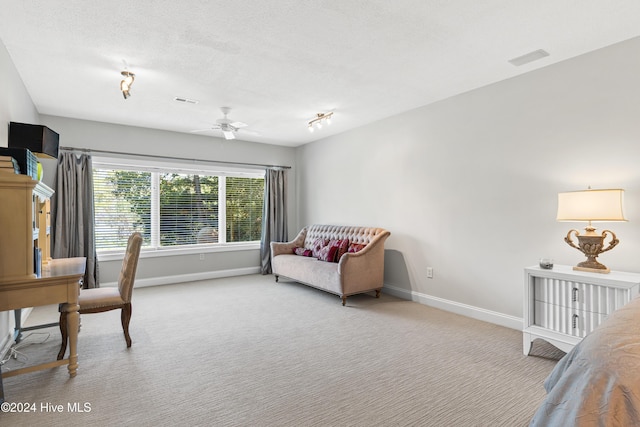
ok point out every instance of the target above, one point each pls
(84, 134)
(15, 106)
(468, 185)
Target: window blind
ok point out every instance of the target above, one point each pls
(174, 207)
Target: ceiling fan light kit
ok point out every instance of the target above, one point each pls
(317, 121)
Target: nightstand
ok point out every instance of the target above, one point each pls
(562, 305)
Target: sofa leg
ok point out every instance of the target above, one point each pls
(377, 293)
(277, 278)
(344, 301)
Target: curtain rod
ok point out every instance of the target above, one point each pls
(219, 162)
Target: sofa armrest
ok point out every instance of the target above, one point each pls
(279, 248)
(364, 270)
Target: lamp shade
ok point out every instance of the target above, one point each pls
(591, 205)
(38, 139)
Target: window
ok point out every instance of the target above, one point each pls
(175, 207)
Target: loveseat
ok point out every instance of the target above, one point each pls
(343, 260)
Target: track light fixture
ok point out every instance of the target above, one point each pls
(317, 121)
(125, 84)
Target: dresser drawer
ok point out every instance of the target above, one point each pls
(566, 320)
(578, 295)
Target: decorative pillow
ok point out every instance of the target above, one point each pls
(343, 246)
(317, 245)
(328, 253)
(302, 251)
(355, 247)
(333, 250)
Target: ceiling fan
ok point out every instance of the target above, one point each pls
(225, 125)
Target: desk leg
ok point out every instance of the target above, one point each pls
(17, 334)
(73, 323)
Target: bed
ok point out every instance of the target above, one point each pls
(598, 382)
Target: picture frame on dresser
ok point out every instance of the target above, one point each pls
(562, 305)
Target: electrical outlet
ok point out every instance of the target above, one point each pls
(201, 257)
(429, 272)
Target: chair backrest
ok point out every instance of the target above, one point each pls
(129, 266)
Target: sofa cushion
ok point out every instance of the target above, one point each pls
(323, 275)
(333, 250)
(343, 247)
(328, 253)
(317, 246)
(355, 247)
(302, 251)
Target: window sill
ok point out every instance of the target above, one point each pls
(191, 250)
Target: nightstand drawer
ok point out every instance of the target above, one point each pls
(578, 295)
(566, 320)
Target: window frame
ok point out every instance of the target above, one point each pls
(157, 167)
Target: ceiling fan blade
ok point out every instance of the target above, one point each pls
(228, 134)
(239, 125)
(210, 128)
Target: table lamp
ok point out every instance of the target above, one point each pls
(591, 206)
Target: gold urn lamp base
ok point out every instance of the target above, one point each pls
(591, 245)
(587, 206)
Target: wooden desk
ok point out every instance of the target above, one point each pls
(58, 285)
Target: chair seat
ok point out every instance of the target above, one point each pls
(99, 298)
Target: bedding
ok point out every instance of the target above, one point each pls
(598, 382)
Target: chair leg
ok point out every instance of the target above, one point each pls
(125, 316)
(65, 337)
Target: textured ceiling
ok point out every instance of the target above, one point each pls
(277, 63)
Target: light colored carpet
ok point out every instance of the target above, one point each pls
(245, 351)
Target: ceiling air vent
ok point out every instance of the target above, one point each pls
(529, 57)
(185, 100)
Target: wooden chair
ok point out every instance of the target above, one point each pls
(98, 300)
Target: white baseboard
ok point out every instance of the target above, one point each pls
(193, 277)
(441, 303)
(456, 307)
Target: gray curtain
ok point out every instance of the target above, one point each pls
(274, 215)
(73, 214)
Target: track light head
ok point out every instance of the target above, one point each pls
(125, 84)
